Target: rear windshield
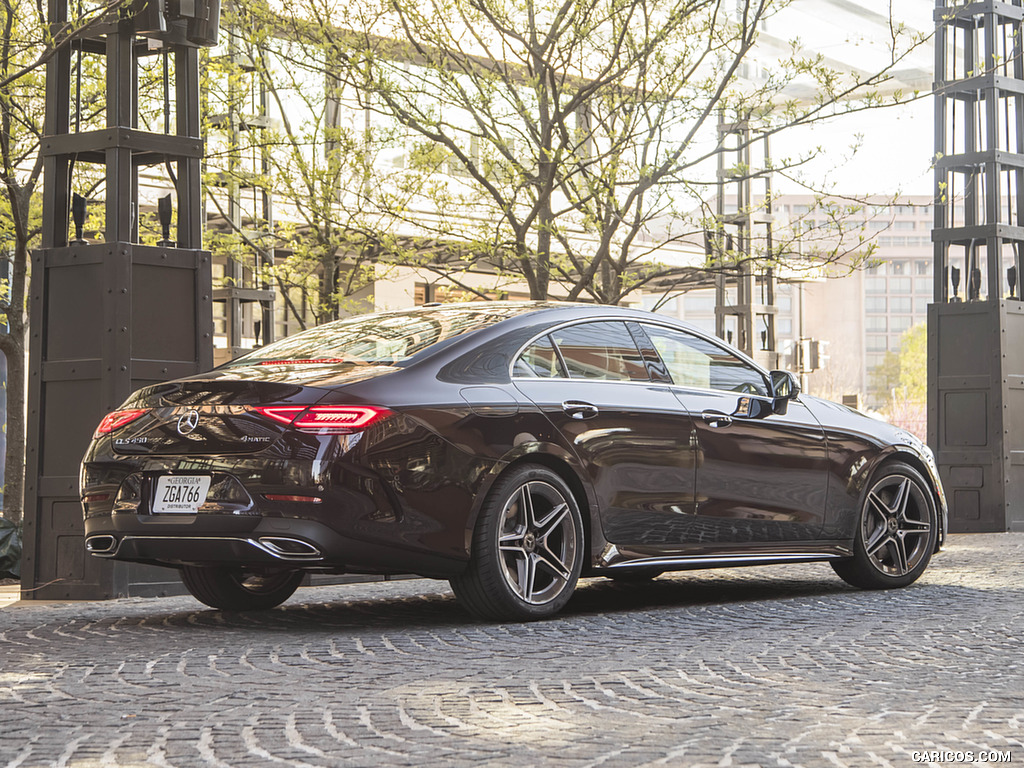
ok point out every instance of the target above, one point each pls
(392, 338)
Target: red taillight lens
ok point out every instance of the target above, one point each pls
(331, 419)
(118, 419)
(285, 414)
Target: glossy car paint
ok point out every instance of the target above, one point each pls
(656, 482)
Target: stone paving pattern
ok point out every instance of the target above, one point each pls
(769, 666)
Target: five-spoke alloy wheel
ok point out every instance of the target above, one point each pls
(896, 531)
(527, 548)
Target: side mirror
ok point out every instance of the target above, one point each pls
(785, 387)
(753, 408)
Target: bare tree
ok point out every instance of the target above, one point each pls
(324, 161)
(582, 134)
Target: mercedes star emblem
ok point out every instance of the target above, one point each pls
(188, 421)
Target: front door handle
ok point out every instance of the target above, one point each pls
(578, 409)
(716, 419)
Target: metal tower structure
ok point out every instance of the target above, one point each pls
(244, 303)
(115, 314)
(744, 299)
(976, 323)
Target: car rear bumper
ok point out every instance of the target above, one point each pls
(266, 542)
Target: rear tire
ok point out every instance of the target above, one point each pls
(896, 531)
(237, 589)
(528, 548)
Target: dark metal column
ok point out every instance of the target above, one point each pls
(108, 317)
(976, 325)
(744, 296)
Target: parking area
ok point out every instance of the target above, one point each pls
(770, 666)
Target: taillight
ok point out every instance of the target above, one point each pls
(328, 419)
(118, 419)
(284, 414)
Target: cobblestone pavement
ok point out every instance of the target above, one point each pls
(772, 666)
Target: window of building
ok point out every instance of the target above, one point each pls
(875, 304)
(874, 285)
(658, 303)
(698, 304)
(900, 284)
(921, 305)
(901, 305)
(922, 285)
(874, 360)
(878, 324)
(923, 267)
(900, 323)
(706, 324)
(875, 343)
(903, 225)
(900, 267)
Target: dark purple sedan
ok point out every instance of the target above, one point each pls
(509, 448)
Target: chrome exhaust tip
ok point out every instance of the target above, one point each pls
(289, 549)
(101, 545)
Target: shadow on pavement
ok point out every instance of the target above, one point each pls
(329, 609)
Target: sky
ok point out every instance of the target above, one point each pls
(896, 144)
(894, 155)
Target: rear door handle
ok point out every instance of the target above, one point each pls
(578, 409)
(715, 419)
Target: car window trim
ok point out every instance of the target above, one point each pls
(549, 331)
(715, 341)
(641, 322)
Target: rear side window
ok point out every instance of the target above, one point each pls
(601, 350)
(696, 362)
(539, 361)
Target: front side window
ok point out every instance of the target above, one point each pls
(602, 350)
(699, 363)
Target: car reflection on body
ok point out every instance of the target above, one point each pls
(507, 447)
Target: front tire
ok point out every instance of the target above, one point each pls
(896, 531)
(235, 589)
(528, 548)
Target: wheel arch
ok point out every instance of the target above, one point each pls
(562, 464)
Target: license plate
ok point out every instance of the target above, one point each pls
(180, 494)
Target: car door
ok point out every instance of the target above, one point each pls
(761, 473)
(629, 432)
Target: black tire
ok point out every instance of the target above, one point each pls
(236, 589)
(896, 531)
(528, 548)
